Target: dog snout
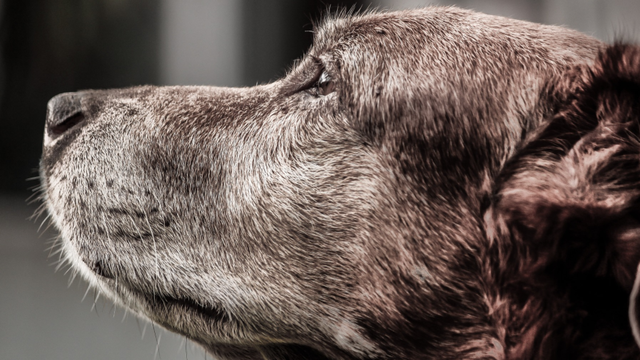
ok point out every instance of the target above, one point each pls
(64, 112)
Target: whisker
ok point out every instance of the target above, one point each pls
(144, 329)
(139, 329)
(46, 218)
(37, 177)
(59, 265)
(157, 341)
(183, 342)
(85, 293)
(67, 271)
(96, 295)
(55, 244)
(35, 196)
(72, 278)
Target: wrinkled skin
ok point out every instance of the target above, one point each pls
(355, 218)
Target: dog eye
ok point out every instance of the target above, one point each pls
(323, 86)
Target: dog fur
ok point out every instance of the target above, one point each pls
(454, 186)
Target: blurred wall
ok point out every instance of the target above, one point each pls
(200, 42)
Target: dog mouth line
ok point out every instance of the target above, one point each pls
(166, 302)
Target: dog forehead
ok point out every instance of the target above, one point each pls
(344, 30)
(451, 31)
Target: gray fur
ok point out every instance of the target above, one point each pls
(278, 222)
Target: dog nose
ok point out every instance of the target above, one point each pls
(64, 111)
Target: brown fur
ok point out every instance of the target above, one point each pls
(464, 187)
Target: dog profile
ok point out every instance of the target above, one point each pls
(424, 184)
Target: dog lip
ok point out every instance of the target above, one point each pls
(188, 304)
(99, 268)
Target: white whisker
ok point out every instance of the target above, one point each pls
(144, 329)
(85, 293)
(96, 295)
(157, 341)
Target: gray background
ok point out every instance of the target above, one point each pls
(53, 46)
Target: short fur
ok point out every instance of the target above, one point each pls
(468, 191)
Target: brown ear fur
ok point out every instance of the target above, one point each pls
(565, 214)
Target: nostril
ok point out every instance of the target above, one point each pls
(66, 124)
(64, 111)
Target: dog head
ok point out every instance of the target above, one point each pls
(433, 183)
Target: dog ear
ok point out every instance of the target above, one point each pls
(570, 197)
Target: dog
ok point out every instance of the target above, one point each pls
(425, 184)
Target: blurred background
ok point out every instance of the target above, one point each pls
(53, 46)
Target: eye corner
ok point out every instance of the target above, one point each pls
(313, 79)
(322, 83)
(325, 84)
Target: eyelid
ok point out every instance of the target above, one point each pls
(307, 76)
(320, 70)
